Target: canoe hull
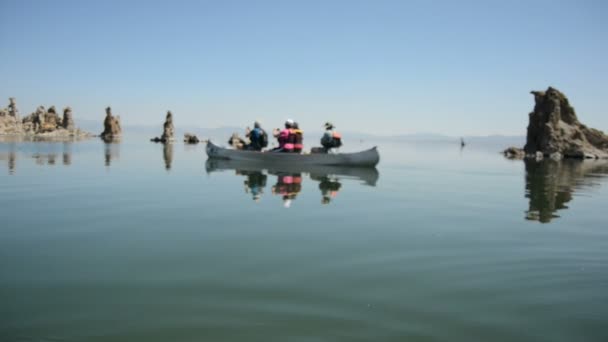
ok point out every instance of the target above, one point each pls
(368, 158)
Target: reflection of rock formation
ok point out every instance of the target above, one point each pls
(554, 129)
(67, 154)
(45, 158)
(168, 155)
(550, 184)
(111, 151)
(11, 158)
(111, 127)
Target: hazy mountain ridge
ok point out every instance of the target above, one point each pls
(225, 131)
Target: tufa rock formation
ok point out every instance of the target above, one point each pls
(191, 138)
(168, 130)
(111, 126)
(554, 130)
(9, 119)
(12, 108)
(514, 153)
(40, 124)
(68, 121)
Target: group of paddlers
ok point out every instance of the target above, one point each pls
(290, 139)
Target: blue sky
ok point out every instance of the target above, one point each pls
(382, 67)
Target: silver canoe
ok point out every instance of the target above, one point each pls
(367, 158)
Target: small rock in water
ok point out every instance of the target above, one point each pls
(191, 138)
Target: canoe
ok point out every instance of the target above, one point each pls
(367, 158)
(368, 175)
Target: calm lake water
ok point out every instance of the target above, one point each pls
(143, 242)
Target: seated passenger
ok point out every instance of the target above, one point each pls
(284, 137)
(331, 138)
(257, 137)
(298, 138)
(236, 142)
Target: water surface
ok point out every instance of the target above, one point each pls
(136, 241)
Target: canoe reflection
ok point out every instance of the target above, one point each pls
(290, 178)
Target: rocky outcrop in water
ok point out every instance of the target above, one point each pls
(514, 153)
(191, 138)
(68, 120)
(554, 130)
(111, 126)
(41, 123)
(10, 123)
(168, 130)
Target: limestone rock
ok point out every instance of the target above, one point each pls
(41, 124)
(12, 108)
(514, 153)
(554, 130)
(111, 126)
(191, 138)
(168, 130)
(10, 124)
(68, 121)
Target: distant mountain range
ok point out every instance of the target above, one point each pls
(223, 133)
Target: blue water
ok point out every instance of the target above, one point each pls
(137, 241)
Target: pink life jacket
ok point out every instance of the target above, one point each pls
(284, 141)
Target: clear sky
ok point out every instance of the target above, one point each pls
(382, 67)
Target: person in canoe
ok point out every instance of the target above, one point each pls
(257, 137)
(298, 138)
(331, 138)
(236, 142)
(285, 137)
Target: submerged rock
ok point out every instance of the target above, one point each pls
(111, 126)
(554, 130)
